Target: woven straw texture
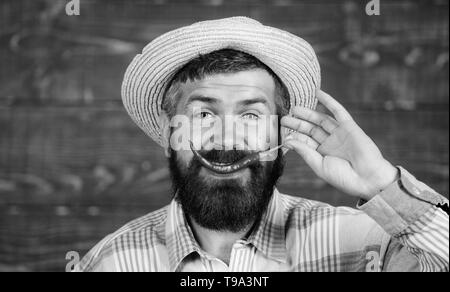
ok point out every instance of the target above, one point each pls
(290, 57)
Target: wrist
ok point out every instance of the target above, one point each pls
(386, 176)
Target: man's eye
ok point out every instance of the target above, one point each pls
(251, 116)
(204, 115)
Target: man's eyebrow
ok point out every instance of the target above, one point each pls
(201, 98)
(253, 101)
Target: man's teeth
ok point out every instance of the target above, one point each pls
(220, 163)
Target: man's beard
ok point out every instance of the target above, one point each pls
(224, 204)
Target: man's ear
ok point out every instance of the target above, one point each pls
(165, 132)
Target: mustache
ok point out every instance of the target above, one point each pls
(224, 156)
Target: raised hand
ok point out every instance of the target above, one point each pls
(338, 150)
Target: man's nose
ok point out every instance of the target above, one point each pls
(230, 137)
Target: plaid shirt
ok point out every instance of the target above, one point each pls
(400, 229)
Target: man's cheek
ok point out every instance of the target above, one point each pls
(180, 134)
(184, 159)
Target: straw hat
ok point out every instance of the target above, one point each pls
(290, 57)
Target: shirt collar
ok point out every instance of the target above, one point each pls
(268, 236)
(180, 240)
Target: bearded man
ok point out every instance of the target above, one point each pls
(204, 92)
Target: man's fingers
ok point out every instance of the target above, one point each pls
(309, 155)
(326, 122)
(305, 127)
(339, 112)
(308, 141)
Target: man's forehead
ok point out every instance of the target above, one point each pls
(256, 81)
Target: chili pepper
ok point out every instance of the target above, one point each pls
(232, 167)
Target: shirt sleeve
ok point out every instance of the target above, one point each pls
(414, 216)
(98, 259)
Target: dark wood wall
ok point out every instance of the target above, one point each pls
(73, 167)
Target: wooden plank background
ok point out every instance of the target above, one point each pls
(73, 167)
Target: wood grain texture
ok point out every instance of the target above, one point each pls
(73, 166)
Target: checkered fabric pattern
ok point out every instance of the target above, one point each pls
(400, 229)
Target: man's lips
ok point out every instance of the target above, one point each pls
(233, 175)
(244, 162)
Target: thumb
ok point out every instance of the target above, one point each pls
(313, 158)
